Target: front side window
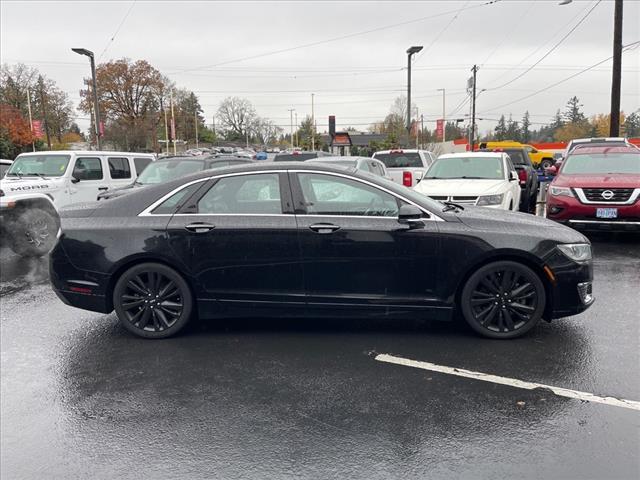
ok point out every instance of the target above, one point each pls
(243, 194)
(119, 168)
(331, 195)
(47, 165)
(88, 168)
(466, 167)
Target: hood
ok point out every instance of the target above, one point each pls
(607, 180)
(461, 187)
(518, 223)
(27, 185)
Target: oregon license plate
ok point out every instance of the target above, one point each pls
(607, 213)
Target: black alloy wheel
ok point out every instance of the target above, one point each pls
(152, 300)
(503, 300)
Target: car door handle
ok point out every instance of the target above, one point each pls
(324, 228)
(103, 188)
(200, 227)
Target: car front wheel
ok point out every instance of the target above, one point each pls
(33, 233)
(503, 300)
(152, 301)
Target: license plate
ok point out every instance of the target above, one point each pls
(607, 213)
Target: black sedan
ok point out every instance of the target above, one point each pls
(171, 168)
(300, 239)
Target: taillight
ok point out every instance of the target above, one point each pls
(407, 179)
(522, 175)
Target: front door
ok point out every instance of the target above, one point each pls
(87, 180)
(355, 252)
(239, 240)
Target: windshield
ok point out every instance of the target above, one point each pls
(3, 169)
(517, 156)
(294, 157)
(467, 167)
(602, 163)
(166, 170)
(400, 159)
(36, 165)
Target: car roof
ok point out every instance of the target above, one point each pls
(604, 149)
(337, 158)
(85, 152)
(472, 154)
(599, 139)
(402, 150)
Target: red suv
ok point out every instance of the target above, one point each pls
(597, 188)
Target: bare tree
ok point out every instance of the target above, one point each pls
(237, 117)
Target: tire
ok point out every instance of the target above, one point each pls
(546, 163)
(33, 233)
(488, 299)
(152, 301)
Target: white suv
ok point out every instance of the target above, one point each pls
(474, 178)
(405, 166)
(38, 184)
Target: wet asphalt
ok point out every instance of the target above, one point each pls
(256, 398)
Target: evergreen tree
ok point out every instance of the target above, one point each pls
(501, 129)
(526, 134)
(513, 130)
(573, 113)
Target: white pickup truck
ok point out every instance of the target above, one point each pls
(406, 166)
(37, 184)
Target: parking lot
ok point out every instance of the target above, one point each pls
(307, 399)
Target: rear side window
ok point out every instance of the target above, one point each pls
(175, 201)
(243, 194)
(141, 163)
(3, 169)
(400, 159)
(119, 168)
(88, 168)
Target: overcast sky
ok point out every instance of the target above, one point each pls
(350, 54)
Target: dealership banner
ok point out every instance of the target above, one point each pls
(439, 128)
(36, 128)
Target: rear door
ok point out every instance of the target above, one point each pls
(238, 237)
(120, 171)
(355, 253)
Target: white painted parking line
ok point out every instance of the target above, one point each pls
(512, 382)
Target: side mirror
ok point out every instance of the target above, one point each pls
(75, 179)
(551, 171)
(410, 215)
(513, 176)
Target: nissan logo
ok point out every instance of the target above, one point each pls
(607, 194)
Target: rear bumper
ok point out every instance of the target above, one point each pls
(77, 288)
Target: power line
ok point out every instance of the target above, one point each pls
(333, 39)
(627, 47)
(113, 37)
(550, 50)
(509, 33)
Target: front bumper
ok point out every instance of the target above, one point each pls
(571, 212)
(571, 288)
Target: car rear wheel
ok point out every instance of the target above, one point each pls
(503, 300)
(546, 163)
(152, 300)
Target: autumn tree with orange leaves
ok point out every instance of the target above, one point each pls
(14, 131)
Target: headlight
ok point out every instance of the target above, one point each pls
(578, 252)
(490, 199)
(560, 191)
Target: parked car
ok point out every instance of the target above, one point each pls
(38, 184)
(527, 177)
(4, 166)
(406, 166)
(473, 178)
(170, 168)
(299, 155)
(597, 188)
(539, 158)
(365, 164)
(296, 239)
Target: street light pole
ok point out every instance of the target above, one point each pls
(410, 52)
(96, 110)
(291, 110)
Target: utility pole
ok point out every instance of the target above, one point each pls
(291, 110)
(417, 133)
(43, 107)
(296, 130)
(473, 108)
(421, 131)
(313, 126)
(195, 116)
(173, 123)
(166, 126)
(33, 142)
(616, 80)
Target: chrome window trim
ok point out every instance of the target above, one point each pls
(147, 211)
(583, 199)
